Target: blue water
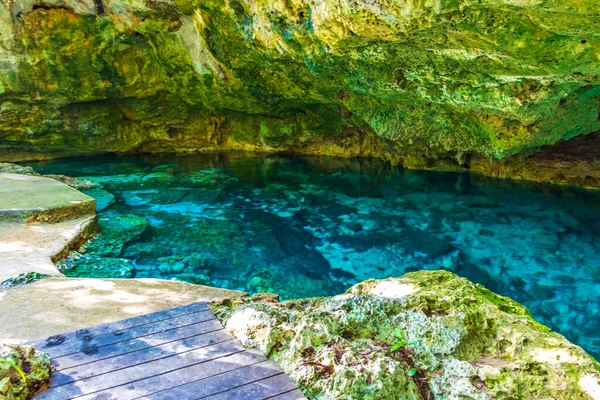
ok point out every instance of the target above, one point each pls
(312, 226)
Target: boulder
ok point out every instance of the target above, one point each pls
(426, 335)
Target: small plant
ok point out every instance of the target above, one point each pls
(412, 372)
(13, 364)
(400, 340)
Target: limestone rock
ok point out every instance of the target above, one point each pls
(103, 198)
(431, 84)
(455, 339)
(75, 183)
(40, 199)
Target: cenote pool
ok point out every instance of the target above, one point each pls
(313, 226)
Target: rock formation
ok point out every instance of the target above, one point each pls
(427, 335)
(465, 84)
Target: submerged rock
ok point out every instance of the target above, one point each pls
(88, 266)
(99, 258)
(103, 198)
(24, 371)
(115, 231)
(429, 334)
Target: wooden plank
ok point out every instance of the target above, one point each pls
(139, 357)
(92, 344)
(262, 389)
(295, 394)
(116, 349)
(141, 371)
(183, 353)
(141, 388)
(219, 383)
(82, 334)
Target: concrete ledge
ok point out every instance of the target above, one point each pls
(25, 198)
(35, 247)
(56, 305)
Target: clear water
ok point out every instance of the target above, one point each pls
(310, 226)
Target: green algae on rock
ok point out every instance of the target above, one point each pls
(26, 360)
(426, 84)
(23, 279)
(463, 341)
(99, 257)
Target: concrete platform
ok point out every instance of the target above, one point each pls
(34, 247)
(38, 199)
(55, 305)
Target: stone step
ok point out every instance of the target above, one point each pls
(35, 247)
(25, 198)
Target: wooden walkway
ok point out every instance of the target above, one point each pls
(180, 354)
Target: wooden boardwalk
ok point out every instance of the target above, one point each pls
(180, 354)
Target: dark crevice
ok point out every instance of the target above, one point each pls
(50, 7)
(99, 7)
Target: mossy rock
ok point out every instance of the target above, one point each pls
(447, 86)
(24, 371)
(458, 340)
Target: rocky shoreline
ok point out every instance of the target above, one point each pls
(427, 335)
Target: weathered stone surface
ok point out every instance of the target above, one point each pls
(75, 183)
(26, 248)
(428, 84)
(24, 371)
(56, 305)
(38, 199)
(455, 339)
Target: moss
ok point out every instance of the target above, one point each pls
(418, 85)
(468, 341)
(34, 364)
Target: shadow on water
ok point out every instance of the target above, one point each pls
(313, 226)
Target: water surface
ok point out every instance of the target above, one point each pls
(312, 226)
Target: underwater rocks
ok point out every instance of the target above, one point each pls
(451, 85)
(115, 231)
(89, 266)
(24, 371)
(103, 198)
(427, 335)
(99, 257)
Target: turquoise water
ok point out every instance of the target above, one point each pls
(311, 226)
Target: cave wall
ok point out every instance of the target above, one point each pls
(426, 83)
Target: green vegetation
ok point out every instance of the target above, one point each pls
(414, 84)
(13, 364)
(400, 341)
(465, 342)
